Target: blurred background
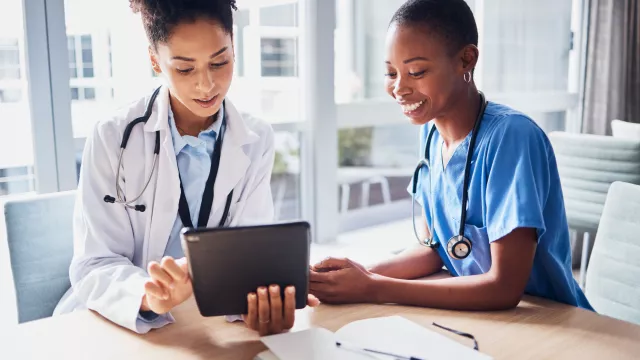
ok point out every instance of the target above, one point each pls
(527, 50)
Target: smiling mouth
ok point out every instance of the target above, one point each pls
(411, 108)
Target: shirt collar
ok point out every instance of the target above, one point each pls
(179, 141)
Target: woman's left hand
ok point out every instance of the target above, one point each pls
(341, 281)
(268, 314)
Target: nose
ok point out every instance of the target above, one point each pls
(206, 82)
(400, 87)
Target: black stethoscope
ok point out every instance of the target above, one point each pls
(458, 247)
(183, 208)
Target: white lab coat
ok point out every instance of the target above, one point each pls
(113, 244)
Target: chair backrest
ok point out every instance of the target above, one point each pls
(40, 238)
(588, 164)
(613, 277)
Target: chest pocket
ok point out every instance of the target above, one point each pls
(479, 260)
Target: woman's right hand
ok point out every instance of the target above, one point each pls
(169, 286)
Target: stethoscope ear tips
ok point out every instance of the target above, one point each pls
(111, 200)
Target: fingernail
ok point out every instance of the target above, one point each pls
(252, 296)
(291, 290)
(274, 288)
(262, 291)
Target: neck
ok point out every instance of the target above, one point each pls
(187, 122)
(459, 117)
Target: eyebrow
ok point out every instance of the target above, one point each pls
(219, 52)
(417, 58)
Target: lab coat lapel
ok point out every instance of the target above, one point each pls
(233, 161)
(167, 190)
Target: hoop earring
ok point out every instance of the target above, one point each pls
(467, 77)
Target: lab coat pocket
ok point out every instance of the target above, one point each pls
(479, 260)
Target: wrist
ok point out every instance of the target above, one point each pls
(144, 306)
(376, 268)
(374, 288)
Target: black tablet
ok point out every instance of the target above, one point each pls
(226, 264)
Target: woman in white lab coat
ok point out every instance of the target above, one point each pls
(128, 264)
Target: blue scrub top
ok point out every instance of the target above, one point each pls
(514, 183)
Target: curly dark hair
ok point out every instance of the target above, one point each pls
(159, 17)
(451, 19)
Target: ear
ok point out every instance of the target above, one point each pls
(153, 57)
(469, 58)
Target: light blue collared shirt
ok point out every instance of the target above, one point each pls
(193, 155)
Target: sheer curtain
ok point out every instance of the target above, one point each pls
(612, 84)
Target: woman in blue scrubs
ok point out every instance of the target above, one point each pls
(515, 223)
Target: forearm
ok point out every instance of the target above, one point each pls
(477, 292)
(415, 262)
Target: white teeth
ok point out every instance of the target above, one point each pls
(206, 100)
(411, 107)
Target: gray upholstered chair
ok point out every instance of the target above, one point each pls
(588, 164)
(613, 278)
(40, 238)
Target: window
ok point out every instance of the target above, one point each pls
(278, 57)
(109, 67)
(89, 94)
(241, 21)
(81, 66)
(73, 67)
(108, 61)
(84, 93)
(526, 48)
(80, 62)
(267, 86)
(87, 56)
(16, 144)
(110, 55)
(285, 180)
(109, 52)
(524, 62)
(9, 59)
(279, 15)
(9, 95)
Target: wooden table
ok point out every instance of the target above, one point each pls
(536, 329)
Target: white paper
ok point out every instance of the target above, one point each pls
(394, 334)
(403, 337)
(311, 344)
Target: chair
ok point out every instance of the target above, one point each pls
(612, 287)
(588, 164)
(366, 175)
(40, 238)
